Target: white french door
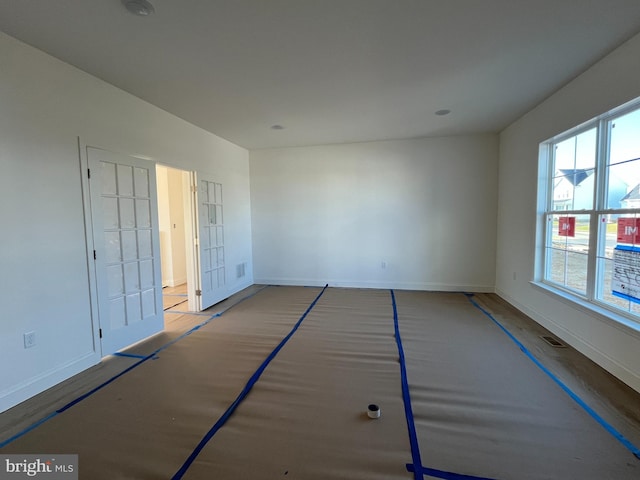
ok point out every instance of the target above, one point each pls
(124, 219)
(212, 284)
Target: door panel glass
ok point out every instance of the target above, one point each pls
(134, 312)
(212, 214)
(143, 213)
(112, 247)
(111, 217)
(108, 176)
(204, 237)
(117, 314)
(206, 260)
(131, 277)
(125, 180)
(115, 279)
(148, 303)
(141, 180)
(127, 215)
(144, 244)
(204, 192)
(129, 245)
(206, 281)
(146, 274)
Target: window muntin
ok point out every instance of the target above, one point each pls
(593, 185)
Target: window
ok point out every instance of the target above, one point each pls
(590, 212)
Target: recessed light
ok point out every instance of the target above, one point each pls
(277, 127)
(443, 112)
(142, 8)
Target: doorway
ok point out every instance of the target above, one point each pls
(175, 222)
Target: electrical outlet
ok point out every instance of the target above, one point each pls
(29, 339)
(383, 264)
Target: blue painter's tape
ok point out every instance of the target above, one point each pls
(152, 356)
(241, 396)
(627, 248)
(128, 355)
(432, 472)
(606, 425)
(406, 397)
(28, 429)
(102, 385)
(626, 297)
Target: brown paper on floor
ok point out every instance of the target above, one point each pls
(306, 417)
(146, 423)
(481, 407)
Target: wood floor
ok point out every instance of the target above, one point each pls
(175, 298)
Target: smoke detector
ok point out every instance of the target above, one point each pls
(141, 8)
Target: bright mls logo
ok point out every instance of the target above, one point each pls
(52, 467)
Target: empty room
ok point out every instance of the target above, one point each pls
(298, 239)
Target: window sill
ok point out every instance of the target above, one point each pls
(609, 317)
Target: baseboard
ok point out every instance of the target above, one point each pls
(33, 386)
(433, 287)
(610, 364)
(174, 282)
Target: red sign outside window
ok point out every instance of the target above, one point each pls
(629, 230)
(567, 227)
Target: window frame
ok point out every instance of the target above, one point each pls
(593, 296)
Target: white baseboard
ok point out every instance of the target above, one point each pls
(33, 386)
(174, 282)
(433, 287)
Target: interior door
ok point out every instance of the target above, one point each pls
(127, 248)
(213, 287)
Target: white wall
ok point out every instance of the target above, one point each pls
(171, 222)
(425, 207)
(611, 82)
(45, 105)
(164, 222)
(177, 227)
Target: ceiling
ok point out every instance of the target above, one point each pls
(331, 71)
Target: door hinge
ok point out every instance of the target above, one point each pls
(95, 257)
(100, 330)
(88, 173)
(194, 188)
(198, 293)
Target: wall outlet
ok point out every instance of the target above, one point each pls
(29, 339)
(383, 264)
